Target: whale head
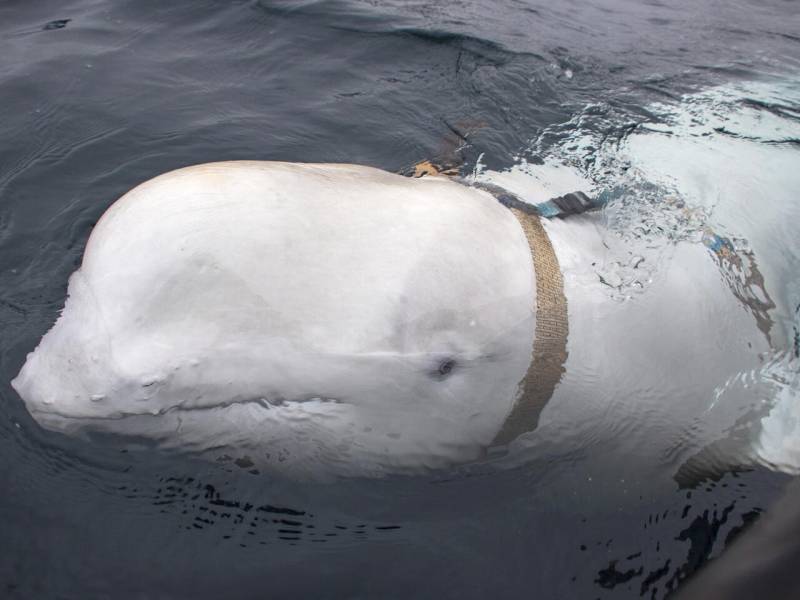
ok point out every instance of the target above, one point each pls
(309, 317)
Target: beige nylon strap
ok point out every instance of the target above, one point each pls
(550, 336)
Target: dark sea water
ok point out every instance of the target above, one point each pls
(98, 96)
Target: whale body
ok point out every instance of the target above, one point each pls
(294, 316)
(337, 320)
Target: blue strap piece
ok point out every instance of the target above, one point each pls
(717, 244)
(573, 203)
(548, 210)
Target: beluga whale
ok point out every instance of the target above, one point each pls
(301, 317)
(327, 320)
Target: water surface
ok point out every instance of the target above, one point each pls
(651, 101)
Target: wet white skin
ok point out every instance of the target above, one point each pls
(328, 319)
(646, 367)
(339, 320)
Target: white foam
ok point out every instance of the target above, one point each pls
(538, 183)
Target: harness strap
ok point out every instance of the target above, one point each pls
(552, 324)
(550, 335)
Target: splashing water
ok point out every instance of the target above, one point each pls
(719, 170)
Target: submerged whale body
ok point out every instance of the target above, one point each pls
(303, 317)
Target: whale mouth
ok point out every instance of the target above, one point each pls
(263, 402)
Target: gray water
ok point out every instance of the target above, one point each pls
(697, 101)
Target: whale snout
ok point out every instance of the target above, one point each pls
(54, 390)
(67, 375)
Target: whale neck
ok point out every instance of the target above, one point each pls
(549, 353)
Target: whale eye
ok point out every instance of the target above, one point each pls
(446, 367)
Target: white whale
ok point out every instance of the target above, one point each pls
(311, 317)
(340, 320)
